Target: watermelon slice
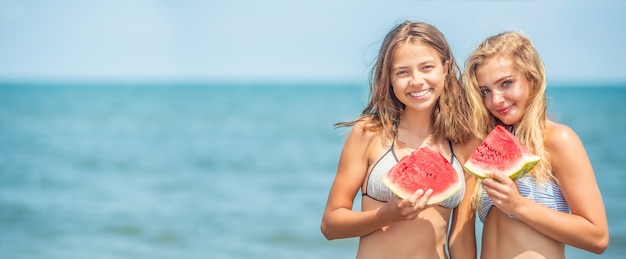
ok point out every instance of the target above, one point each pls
(423, 169)
(502, 152)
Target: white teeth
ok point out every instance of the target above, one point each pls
(420, 93)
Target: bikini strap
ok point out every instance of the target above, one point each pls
(451, 150)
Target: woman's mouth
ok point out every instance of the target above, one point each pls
(421, 93)
(504, 111)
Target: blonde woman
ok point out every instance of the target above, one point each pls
(559, 202)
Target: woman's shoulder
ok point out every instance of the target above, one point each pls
(559, 136)
(364, 139)
(365, 128)
(464, 150)
(558, 132)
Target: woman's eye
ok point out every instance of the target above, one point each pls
(484, 92)
(506, 83)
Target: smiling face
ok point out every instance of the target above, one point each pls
(417, 75)
(505, 90)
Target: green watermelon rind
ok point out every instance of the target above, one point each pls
(524, 167)
(434, 198)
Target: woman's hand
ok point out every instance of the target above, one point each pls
(502, 191)
(407, 209)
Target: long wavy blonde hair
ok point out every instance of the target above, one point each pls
(451, 114)
(528, 62)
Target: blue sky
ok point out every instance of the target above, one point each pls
(324, 40)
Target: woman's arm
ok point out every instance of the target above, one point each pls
(586, 227)
(339, 220)
(462, 236)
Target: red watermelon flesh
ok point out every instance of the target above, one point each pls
(423, 169)
(501, 151)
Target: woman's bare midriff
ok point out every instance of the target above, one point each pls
(424, 237)
(505, 237)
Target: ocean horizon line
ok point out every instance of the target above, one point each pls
(253, 83)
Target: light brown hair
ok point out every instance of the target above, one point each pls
(451, 113)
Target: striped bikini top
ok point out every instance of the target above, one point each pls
(548, 194)
(377, 190)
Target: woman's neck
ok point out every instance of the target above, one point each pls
(414, 128)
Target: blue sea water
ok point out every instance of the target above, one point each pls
(213, 171)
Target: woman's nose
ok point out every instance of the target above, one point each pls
(497, 97)
(417, 79)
